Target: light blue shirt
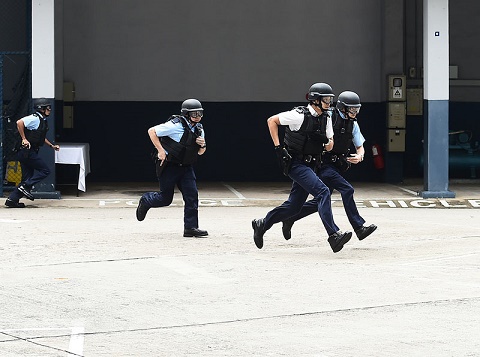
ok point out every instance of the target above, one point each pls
(31, 122)
(174, 130)
(358, 138)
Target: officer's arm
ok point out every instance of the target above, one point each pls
(156, 142)
(21, 131)
(273, 123)
(357, 139)
(329, 132)
(203, 145)
(54, 147)
(329, 145)
(21, 128)
(360, 152)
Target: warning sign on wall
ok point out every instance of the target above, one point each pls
(397, 93)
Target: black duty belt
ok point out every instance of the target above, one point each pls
(308, 159)
(327, 158)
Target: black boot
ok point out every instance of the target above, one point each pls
(258, 232)
(142, 209)
(338, 239)
(287, 229)
(363, 232)
(12, 204)
(194, 232)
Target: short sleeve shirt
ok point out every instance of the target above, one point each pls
(174, 130)
(294, 120)
(31, 122)
(358, 138)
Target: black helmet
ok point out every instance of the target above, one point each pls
(348, 99)
(41, 103)
(319, 90)
(191, 105)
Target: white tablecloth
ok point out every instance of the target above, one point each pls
(75, 154)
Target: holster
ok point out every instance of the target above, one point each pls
(286, 165)
(159, 168)
(339, 161)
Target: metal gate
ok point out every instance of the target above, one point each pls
(15, 83)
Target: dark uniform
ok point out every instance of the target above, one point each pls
(303, 144)
(338, 160)
(33, 130)
(179, 141)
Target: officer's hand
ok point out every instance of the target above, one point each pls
(282, 155)
(200, 141)
(26, 143)
(355, 158)
(162, 155)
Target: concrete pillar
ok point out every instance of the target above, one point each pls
(436, 97)
(43, 82)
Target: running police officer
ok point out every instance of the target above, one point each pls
(178, 142)
(337, 161)
(303, 144)
(33, 130)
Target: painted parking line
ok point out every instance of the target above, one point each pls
(77, 340)
(76, 343)
(234, 191)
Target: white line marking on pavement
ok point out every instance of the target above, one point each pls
(414, 193)
(77, 340)
(235, 192)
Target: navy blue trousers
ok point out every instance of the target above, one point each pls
(305, 182)
(334, 180)
(184, 178)
(34, 170)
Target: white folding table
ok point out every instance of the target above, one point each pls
(75, 154)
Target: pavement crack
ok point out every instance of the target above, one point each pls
(249, 319)
(91, 261)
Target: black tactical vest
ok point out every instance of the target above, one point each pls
(342, 133)
(303, 141)
(184, 152)
(37, 137)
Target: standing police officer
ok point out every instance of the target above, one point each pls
(33, 130)
(304, 142)
(178, 141)
(338, 160)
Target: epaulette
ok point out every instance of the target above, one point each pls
(175, 119)
(301, 110)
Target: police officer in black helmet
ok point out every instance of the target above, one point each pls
(308, 133)
(337, 161)
(178, 142)
(32, 131)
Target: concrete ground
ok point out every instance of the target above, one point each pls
(80, 276)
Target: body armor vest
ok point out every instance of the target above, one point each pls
(37, 137)
(342, 134)
(184, 152)
(303, 141)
